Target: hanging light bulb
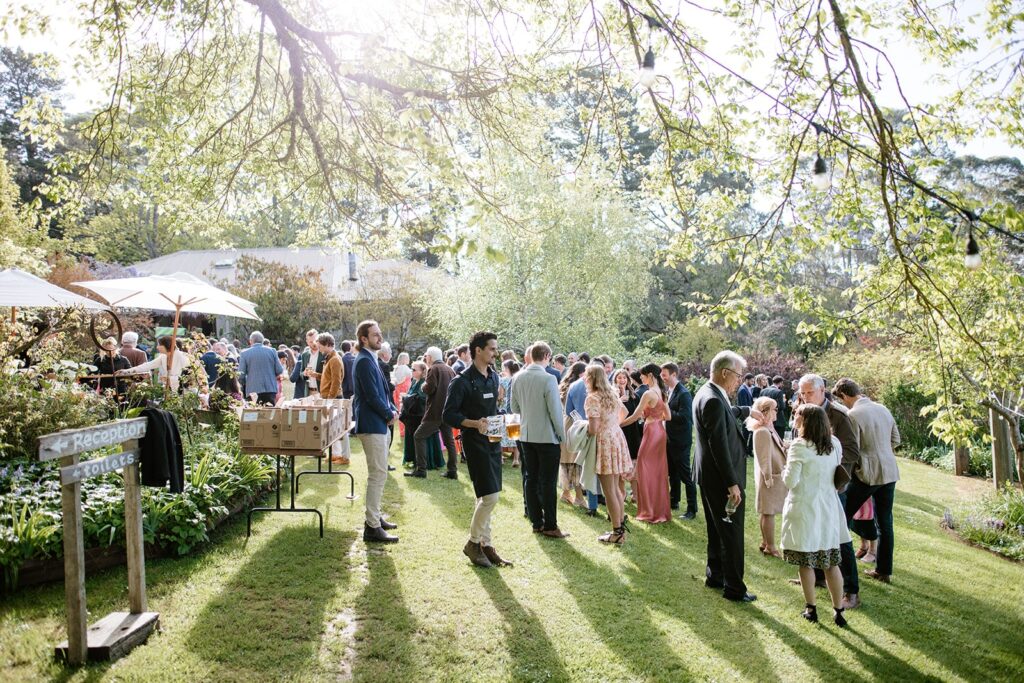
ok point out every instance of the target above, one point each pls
(972, 258)
(820, 178)
(647, 73)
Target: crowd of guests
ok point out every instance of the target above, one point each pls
(601, 435)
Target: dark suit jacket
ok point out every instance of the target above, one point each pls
(162, 461)
(680, 427)
(371, 406)
(720, 460)
(843, 430)
(435, 387)
(348, 361)
(781, 416)
(744, 397)
(299, 379)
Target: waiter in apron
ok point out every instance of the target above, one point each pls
(472, 398)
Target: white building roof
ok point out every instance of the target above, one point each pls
(374, 280)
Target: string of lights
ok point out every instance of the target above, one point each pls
(820, 179)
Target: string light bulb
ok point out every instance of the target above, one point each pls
(648, 75)
(820, 179)
(972, 257)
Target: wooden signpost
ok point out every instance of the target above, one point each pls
(118, 632)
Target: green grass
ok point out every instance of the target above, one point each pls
(286, 605)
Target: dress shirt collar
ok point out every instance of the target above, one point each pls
(724, 393)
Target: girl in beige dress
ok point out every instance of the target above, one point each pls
(769, 459)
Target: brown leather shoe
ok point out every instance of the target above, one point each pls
(850, 601)
(476, 555)
(494, 557)
(873, 574)
(554, 533)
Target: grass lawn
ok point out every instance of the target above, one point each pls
(286, 605)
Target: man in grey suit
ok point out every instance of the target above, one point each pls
(720, 466)
(876, 474)
(535, 398)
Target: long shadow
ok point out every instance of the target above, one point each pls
(385, 638)
(993, 652)
(533, 654)
(621, 620)
(270, 615)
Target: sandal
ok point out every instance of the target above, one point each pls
(615, 537)
(861, 552)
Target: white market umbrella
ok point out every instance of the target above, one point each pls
(178, 292)
(19, 289)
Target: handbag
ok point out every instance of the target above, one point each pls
(866, 512)
(414, 406)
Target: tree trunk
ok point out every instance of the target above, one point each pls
(1002, 449)
(961, 461)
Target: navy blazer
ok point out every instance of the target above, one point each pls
(679, 428)
(744, 397)
(348, 381)
(371, 405)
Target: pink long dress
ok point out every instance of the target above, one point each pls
(651, 484)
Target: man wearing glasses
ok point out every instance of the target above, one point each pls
(720, 466)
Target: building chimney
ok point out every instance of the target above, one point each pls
(353, 272)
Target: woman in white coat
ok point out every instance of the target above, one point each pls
(813, 521)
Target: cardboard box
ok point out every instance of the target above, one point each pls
(310, 428)
(260, 428)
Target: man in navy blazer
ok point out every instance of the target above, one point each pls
(373, 412)
(348, 359)
(720, 465)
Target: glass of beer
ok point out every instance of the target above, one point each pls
(495, 428)
(512, 425)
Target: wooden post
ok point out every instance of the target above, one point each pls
(74, 567)
(1002, 450)
(961, 460)
(134, 538)
(118, 632)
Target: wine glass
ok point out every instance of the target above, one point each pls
(730, 510)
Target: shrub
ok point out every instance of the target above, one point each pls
(32, 406)
(788, 365)
(979, 458)
(906, 401)
(996, 522)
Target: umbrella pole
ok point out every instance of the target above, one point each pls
(14, 314)
(173, 349)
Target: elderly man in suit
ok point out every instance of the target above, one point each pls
(260, 367)
(720, 464)
(877, 473)
(438, 378)
(373, 412)
(812, 390)
(535, 397)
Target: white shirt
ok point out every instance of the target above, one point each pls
(180, 362)
(314, 358)
(725, 393)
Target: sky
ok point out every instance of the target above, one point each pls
(921, 80)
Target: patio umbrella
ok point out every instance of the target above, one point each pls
(19, 289)
(178, 292)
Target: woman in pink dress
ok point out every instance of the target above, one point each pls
(612, 452)
(650, 483)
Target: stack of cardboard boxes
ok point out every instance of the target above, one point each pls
(303, 425)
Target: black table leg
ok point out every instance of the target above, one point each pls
(292, 487)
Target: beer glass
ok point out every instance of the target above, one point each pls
(512, 425)
(495, 428)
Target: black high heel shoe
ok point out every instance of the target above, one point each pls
(838, 616)
(810, 613)
(616, 536)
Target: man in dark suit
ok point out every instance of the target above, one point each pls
(745, 399)
(812, 390)
(781, 415)
(721, 468)
(348, 360)
(679, 429)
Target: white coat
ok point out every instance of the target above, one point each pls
(812, 517)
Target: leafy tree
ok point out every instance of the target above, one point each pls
(288, 300)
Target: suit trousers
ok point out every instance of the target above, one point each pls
(540, 483)
(680, 474)
(856, 495)
(375, 446)
(725, 542)
(427, 430)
